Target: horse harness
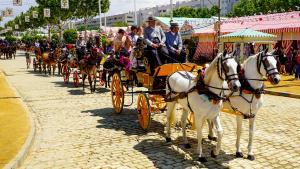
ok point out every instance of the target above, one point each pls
(201, 87)
(246, 87)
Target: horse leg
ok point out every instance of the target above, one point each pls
(199, 125)
(183, 125)
(83, 78)
(239, 122)
(219, 129)
(211, 135)
(90, 82)
(94, 77)
(251, 134)
(170, 116)
(54, 67)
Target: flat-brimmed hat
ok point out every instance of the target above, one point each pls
(174, 24)
(151, 18)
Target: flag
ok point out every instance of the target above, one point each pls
(64, 4)
(47, 13)
(8, 12)
(27, 19)
(17, 2)
(17, 26)
(35, 14)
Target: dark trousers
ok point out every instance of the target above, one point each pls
(157, 57)
(174, 58)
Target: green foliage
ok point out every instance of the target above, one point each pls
(251, 7)
(196, 12)
(120, 24)
(70, 36)
(55, 38)
(81, 28)
(10, 38)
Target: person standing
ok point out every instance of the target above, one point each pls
(155, 39)
(174, 45)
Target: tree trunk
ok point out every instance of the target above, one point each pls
(49, 32)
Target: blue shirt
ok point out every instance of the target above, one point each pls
(173, 39)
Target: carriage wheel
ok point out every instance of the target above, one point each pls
(143, 108)
(117, 93)
(75, 79)
(66, 74)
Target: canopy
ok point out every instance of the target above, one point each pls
(247, 35)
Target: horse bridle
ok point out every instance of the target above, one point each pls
(262, 59)
(224, 69)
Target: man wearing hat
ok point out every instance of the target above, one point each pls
(80, 47)
(174, 44)
(155, 39)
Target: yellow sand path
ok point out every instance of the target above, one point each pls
(14, 123)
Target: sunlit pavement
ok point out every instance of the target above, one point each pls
(77, 130)
(14, 122)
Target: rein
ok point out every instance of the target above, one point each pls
(246, 87)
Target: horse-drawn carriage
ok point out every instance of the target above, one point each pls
(153, 98)
(69, 66)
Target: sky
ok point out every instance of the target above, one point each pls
(116, 6)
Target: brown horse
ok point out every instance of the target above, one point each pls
(88, 68)
(50, 60)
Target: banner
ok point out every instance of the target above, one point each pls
(8, 12)
(27, 19)
(16, 26)
(47, 13)
(64, 4)
(35, 14)
(17, 2)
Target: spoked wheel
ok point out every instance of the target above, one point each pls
(144, 114)
(66, 74)
(75, 79)
(117, 93)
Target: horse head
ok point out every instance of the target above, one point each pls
(267, 66)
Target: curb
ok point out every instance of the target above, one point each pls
(283, 94)
(23, 152)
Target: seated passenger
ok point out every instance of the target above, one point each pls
(122, 44)
(174, 45)
(155, 39)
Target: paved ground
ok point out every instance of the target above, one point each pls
(77, 130)
(287, 87)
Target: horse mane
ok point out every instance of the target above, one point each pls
(212, 67)
(249, 58)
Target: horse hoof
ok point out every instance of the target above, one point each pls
(251, 157)
(213, 154)
(168, 140)
(239, 155)
(202, 159)
(212, 138)
(187, 146)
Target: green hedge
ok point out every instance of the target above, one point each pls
(70, 36)
(10, 38)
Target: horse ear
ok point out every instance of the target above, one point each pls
(233, 53)
(266, 50)
(225, 52)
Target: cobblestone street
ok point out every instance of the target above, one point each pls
(80, 130)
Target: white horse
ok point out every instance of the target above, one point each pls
(249, 100)
(204, 106)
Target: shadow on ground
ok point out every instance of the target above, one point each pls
(157, 150)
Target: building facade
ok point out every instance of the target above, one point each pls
(110, 20)
(143, 14)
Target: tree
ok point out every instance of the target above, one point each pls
(70, 36)
(251, 7)
(120, 24)
(195, 12)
